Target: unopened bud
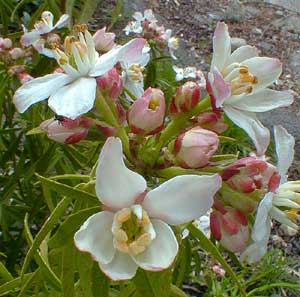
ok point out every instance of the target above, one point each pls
(7, 43)
(194, 148)
(111, 83)
(16, 53)
(230, 227)
(146, 115)
(186, 98)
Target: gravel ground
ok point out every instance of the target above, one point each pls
(274, 30)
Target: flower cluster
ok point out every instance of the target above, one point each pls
(173, 134)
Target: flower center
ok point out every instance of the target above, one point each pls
(240, 78)
(132, 230)
(135, 72)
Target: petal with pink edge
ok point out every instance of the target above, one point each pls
(96, 238)
(285, 144)
(116, 185)
(162, 251)
(39, 89)
(122, 267)
(221, 46)
(74, 99)
(248, 121)
(220, 88)
(182, 198)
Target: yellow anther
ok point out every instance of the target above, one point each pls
(145, 219)
(121, 246)
(243, 69)
(144, 239)
(135, 248)
(154, 102)
(80, 27)
(292, 214)
(67, 43)
(120, 235)
(124, 215)
(62, 61)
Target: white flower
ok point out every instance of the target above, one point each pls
(172, 42)
(287, 195)
(133, 231)
(239, 82)
(190, 72)
(72, 93)
(137, 25)
(132, 74)
(36, 37)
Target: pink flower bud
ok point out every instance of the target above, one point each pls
(24, 77)
(104, 41)
(16, 69)
(107, 130)
(146, 115)
(194, 148)
(230, 227)
(111, 82)
(249, 174)
(186, 97)
(7, 43)
(16, 53)
(66, 130)
(53, 39)
(211, 120)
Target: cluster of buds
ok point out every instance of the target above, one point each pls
(146, 24)
(247, 180)
(67, 131)
(8, 52)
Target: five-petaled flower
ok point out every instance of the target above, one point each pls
(238, 83)
(132, 231)
(72, 93)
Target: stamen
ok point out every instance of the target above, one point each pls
(80, 27)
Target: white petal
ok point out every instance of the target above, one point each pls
(262, 225)
(63, 21)
(39, 89)
(30, 37)
(221, 46)
(95, 237)
(162, 251)
(116, 185)
(267, 70)
(243, 53)
(122, 267)
(248, 121)
(285, 144)
(135, 87)
(254, 252)
(182, 198)
(74, 99)
(261, 101)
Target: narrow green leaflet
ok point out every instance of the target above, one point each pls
(153, 284)
(100, 283)
(45, 229)
(209, 247)
(14, 284)
(4, 273)
(68, 268)
(45, 268)
(67, 190)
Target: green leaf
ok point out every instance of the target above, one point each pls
(72, 223)
(274, 285)
(67, 190)
(153, 284)
(4, 273)
(87, 10)
(85, 268)
(68, 266)
(14, 284)
(100, 283)
(128, 291)
(209, 247)
(45, 229)
(45, 268)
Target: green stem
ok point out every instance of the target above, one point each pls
(180, 122)
(108, 114)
